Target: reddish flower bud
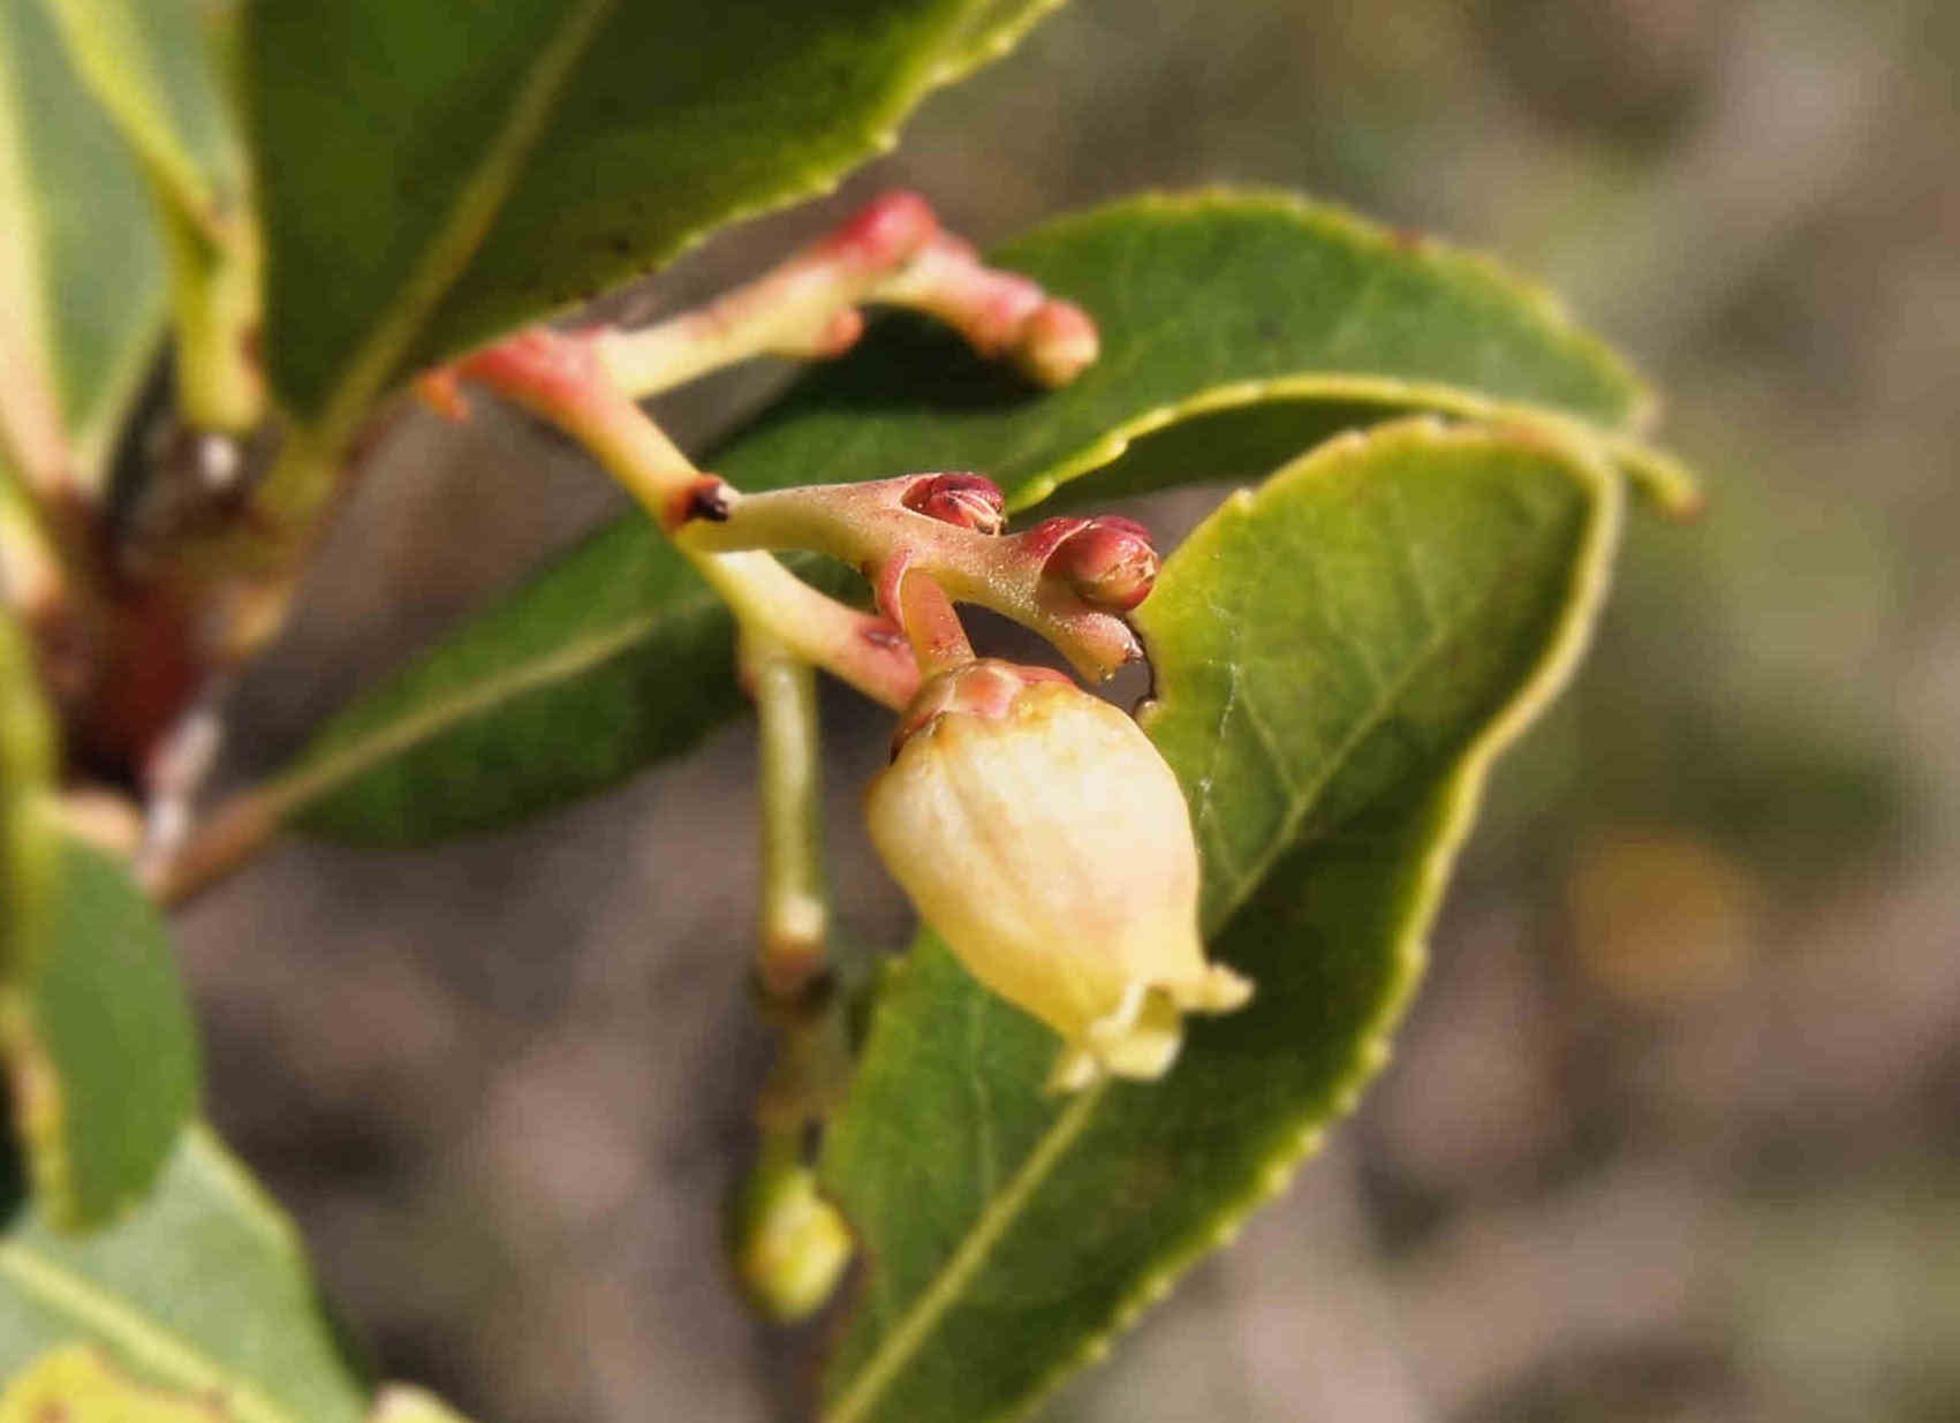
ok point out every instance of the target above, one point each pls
(1058, 343)
(1108, 562)
(1040, 833)
(884, 232)
(971, 501)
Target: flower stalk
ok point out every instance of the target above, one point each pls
(795, 909)
(1052, 579)
(892, 252)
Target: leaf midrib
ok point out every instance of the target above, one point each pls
(565, 662)
(471, 216)
(1443, 635)
(898, 1347)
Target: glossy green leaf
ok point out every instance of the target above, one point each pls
(204, 1290)
(1339, 657)
(435, 171)
(81, 269)
(618, 656)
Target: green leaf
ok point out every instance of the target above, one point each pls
(81, 269)
(1339, 657)
(618, 656)
(1232, 306)
(203, 1290)
(473, 167)
(96, 1030)
(100, 1046)
(153, 65)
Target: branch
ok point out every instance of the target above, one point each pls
(890, 253)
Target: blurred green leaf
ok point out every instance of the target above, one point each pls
(467, 167)
(618, 655)
(77, 1384)
(1339, 657)
(101, 1050)
(203, 1290)
(96, 1030)
(81, 269)
(154, 66)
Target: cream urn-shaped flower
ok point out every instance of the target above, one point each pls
(1039, 832)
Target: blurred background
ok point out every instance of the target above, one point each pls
(1673, 1132)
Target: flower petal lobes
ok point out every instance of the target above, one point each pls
(1049, 844)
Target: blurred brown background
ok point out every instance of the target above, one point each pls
(1674, 1131)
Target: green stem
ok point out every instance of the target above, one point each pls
(794, 910)
(214, 292)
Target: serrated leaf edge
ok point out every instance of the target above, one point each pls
(1661, 477)
(1458, 798)
(447, 255)
(1344, 225)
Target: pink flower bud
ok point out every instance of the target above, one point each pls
(1058, 343)
(883, 233)
(971, 501)
(1108, 562)
(1040, 833)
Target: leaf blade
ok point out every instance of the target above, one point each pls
(100, 1045)
(95, 1026)
(81, 281)
(527, 156)
(147, 1292)
(976, 1309)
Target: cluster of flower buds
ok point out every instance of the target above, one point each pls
(1034, 826)
(1040, 833)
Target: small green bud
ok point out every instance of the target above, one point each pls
(1040, 833)
(789, 1245)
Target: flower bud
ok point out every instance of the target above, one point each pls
(972, 501)
(789, 1245)
(1058, 343)
(1108, 562)
(1040, 833)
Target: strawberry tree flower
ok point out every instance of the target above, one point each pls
(1040, 833)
